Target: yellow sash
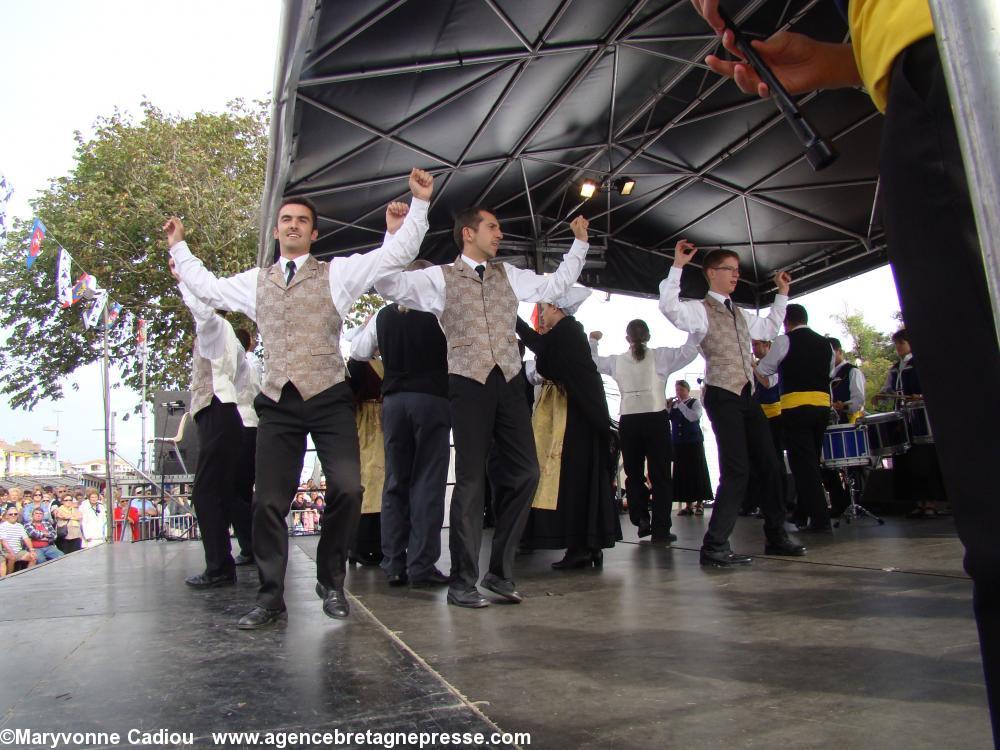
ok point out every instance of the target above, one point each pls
(549, 425)
(804, 398)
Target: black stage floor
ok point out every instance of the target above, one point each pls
(868, 642)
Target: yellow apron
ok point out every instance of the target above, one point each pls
(549, 425)
(369, 421)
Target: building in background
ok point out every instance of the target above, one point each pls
(26, 458)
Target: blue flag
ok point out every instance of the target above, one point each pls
(37, 235)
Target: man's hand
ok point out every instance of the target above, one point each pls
(783, 281)
(839, 405)
(579, 225)
(175, 231)
(596, 335)
(709, 10)
(173, 269)
(395, 212)
(421, 184)
(683, 253)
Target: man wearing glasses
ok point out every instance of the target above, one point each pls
(38, 502)
(740, 426)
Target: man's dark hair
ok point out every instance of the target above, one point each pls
(796, 315)
(244, 337)
(900, 335)
(683, 384)
(296, 200)
(715, 258)
(835, 343)
(468, 217)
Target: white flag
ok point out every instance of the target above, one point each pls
(64, 280)
(93, 316)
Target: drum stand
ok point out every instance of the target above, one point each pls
(854, 510)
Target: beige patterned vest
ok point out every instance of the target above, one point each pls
(726, 348)
(478, 321)
(300, 328)
(202, 385)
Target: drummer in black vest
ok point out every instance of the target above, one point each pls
(804, 360)
(916, 474)
(847, 396)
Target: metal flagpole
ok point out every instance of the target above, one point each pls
(968, 37)
(142, 406)
(108, 444)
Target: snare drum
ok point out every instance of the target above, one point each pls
(886, 433)
(918, 422)
(846, 445)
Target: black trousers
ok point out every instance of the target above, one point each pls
(646, 446)
(743, 437)
(482, 414)
(219, 430)
(241, 499)
(927, 209)
(755, 497)
(281, 447)
(802, 429)
(415, 427)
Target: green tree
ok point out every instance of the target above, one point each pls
(107, 213)
(128, 178)
(872, 351)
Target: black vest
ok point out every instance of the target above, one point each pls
(684, 430)
(911, 383)
(806, 367)
(840, 386)
(414, 352)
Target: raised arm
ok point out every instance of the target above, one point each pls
(352, 276)
(529, 286)
(605, 365)
(422, 289)
(237, 293)
(686, 315)
(765, 329)
(670, 359)
(531, 338)
(366, 342)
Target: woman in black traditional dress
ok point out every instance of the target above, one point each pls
(691, 483)
(582, 520)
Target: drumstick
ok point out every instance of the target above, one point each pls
(819, 151)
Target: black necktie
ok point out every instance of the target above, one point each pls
(729, 306)
(481, 269)
(290, 272)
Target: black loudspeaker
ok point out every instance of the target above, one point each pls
(168, 408)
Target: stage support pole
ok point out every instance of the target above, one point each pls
(109, 449)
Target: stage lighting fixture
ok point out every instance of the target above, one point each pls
(625, 185)
(588, 188)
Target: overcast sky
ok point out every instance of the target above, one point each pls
(68, 62)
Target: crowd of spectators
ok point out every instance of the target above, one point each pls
(45, 523)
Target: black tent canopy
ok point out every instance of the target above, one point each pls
(512, 104)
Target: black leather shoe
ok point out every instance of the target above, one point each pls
(259, 617)
(663, 538)
(644, 530)
(470, 598)
(242, 559)
(334, 601)
(397, 579)
(723, 559)
(784, 547)
(501, 587)
(574, 558)
(205, 581)
(434, 578)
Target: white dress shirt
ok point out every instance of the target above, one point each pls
(248, 379)
(690, 315)
(666, 360)
(216, 341)
(350, 276)
(768, 367)
(856, 380)
(691, 413)
(424, 289)
(364, 344)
